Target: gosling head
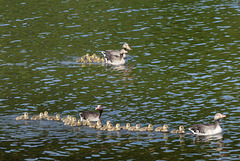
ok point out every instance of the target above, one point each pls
(110, 126)
(165, 127)
(137, 126)
(98, 122)
(45, 113)
(128, 125)
(108, 122)
(181, 128)
(58, 116)
(74, 119)
(117, 125)
(150, 126)
(41, 115)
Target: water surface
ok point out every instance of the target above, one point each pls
(184, 68)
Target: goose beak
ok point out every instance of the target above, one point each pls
(98, 107)
(129, 48)
(223, 116)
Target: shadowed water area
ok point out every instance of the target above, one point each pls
(182, 69)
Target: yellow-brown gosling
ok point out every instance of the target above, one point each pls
(81, 60)
(45, 115)
(102, 60)
(110, 127)
(148, 128)
(71, 120)
(126, 127)
(79, 123)
(99, 125)
(117, 128)
(54, 118)
(105, 127)
(92, 125)
(37, 117)
(86, 123)
(134, 128)
(162, 129)
(23, 117)
(181, 130)
(66, 118)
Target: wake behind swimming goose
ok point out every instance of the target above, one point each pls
(116, 57)
(208, 129)
(92, 116)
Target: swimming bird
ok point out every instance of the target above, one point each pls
(64, 119)
(37, 117)
(54, 118)
(45, 115)
(105, 127)
(23, 117)
(72, 120)
(117, 128)
(181, 130)
(110, 127)
(134, 128)
(148, 128)
(79, 123)
(99, 124)
(86, 122)
(92, 125)
(126, 127)
(116, 57)
(92, 116)
(208, 129)
(162, 129)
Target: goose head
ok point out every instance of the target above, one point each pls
(218, 116)
(126, 46)
(99, 107)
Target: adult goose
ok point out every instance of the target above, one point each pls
(92, 116)
(208, 129)
(116, 57)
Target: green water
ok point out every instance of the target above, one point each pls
(184, 68)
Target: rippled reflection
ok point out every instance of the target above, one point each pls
(184, 68)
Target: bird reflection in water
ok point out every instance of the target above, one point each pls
(208, 138)
(215, 140)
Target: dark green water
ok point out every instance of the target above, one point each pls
(184, 68)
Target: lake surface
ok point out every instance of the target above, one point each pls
(184, 68)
